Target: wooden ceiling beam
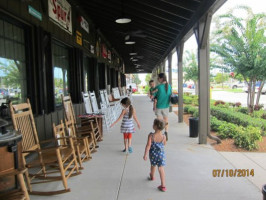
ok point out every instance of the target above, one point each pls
(164, 8)
(186, 4)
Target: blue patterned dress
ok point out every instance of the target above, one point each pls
(156, 153)
(127, 125)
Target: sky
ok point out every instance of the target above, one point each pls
(257, 6)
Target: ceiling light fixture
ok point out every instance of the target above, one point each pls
(132, 54)
(134, 60)
(123, 19)
(130, 42)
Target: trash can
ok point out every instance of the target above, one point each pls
(264, 192)
(193, 126)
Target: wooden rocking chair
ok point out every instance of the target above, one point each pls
(61, 156)
(16, 194)
(86, 144)
(92, 114)
(87, 126)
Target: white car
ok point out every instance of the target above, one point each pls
(236, 85)
(263, 91)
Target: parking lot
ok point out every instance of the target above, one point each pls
(231, 96)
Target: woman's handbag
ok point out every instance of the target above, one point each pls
(174, 99)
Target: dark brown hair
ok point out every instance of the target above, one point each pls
(126, 101)
(151, 81)
(163, 76)
(159, 124)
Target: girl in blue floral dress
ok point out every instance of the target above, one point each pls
(155, 147)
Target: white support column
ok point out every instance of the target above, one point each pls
(161, 68)
(170, 74)
(153, 75)
(179, 50)
(202, 35)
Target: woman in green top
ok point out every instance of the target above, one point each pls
(163, 93)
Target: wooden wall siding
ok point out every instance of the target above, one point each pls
(19, 9)
(44, 123)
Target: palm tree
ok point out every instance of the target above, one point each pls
(241, 44)
(191, 69)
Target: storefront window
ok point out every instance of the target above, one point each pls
(61, 72)
(13, 84)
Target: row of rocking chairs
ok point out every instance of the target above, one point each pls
(59, 158)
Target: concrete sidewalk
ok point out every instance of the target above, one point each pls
(112, 175)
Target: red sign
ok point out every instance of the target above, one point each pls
(104, 51)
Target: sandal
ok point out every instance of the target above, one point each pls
(161, 188)
(151, 178)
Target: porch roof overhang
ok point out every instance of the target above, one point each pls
(157, 26)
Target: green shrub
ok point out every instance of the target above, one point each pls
(215, 123)
(248, 137)
(227, 130)
(237, 118)
(196, 113)
(194, 97)
(186, 107)
(258, 113)
(191, 110)
(212, 102)
(187, 99)
(226, 105)
(243, 110)
(195, 100)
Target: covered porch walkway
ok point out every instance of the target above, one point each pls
(111, 175)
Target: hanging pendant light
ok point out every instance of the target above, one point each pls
(128, 40)
(123, 19)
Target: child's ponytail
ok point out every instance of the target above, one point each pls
(126, 101)
(130, 113)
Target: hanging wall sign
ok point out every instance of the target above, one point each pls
(84, 24)
(97, 49)
(92, 49)
(60, 13)
(79, 38)
(35, 13)
(109, 56)
(104, 51)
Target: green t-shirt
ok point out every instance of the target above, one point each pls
(163, 97)
(151, 90)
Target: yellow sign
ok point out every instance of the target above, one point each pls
(79, 38)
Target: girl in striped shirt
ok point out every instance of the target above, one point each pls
(127, 126)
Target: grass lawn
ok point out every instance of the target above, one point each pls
(228, 90)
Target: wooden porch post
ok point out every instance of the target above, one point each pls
(202, 35)
(170, 74)
(179, 50)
